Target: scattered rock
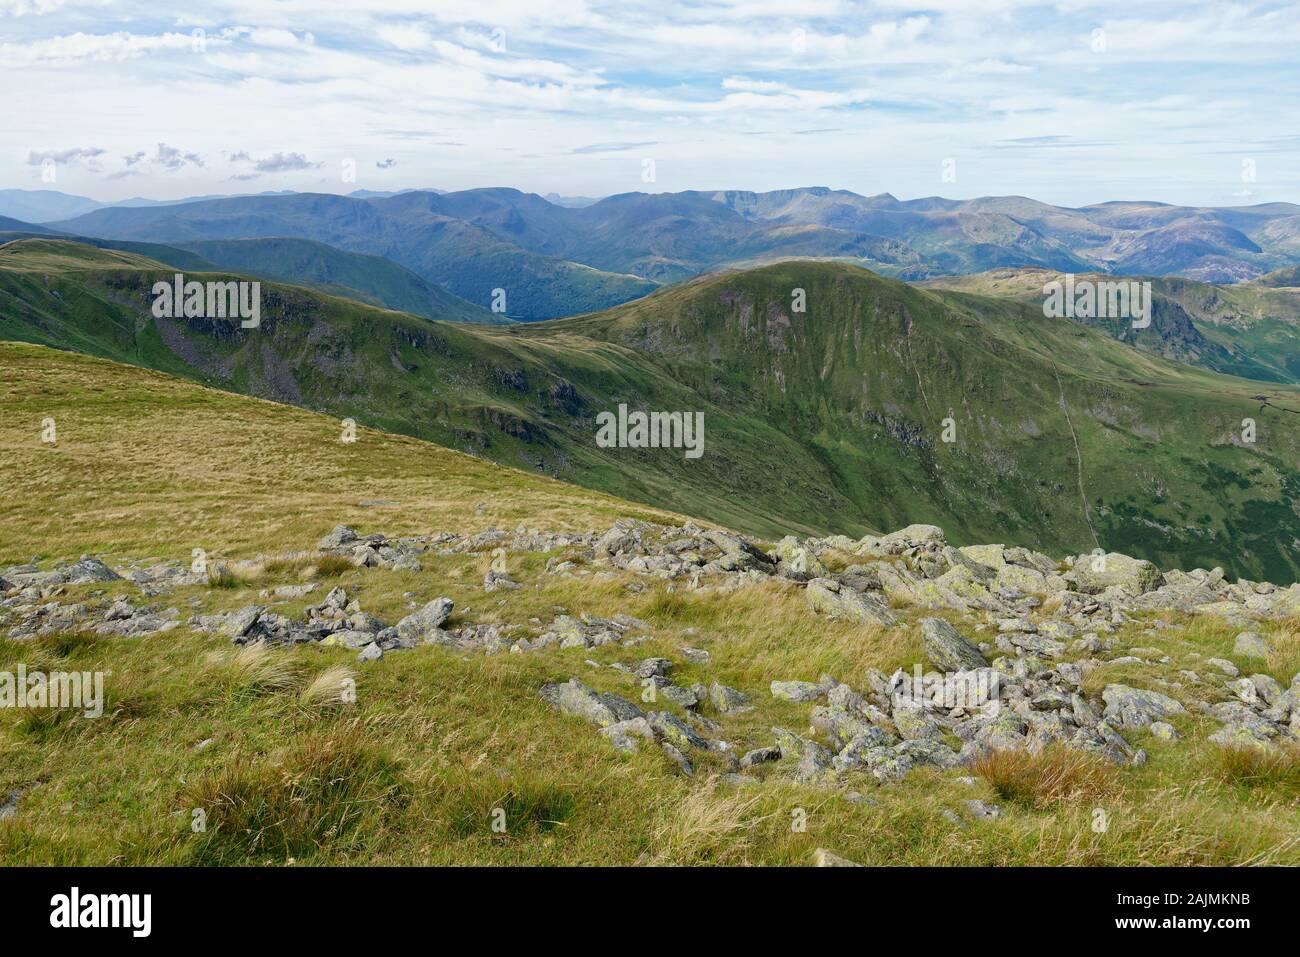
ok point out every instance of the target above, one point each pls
(574, 697)
(1134, 708)
(728, 700)
(828, 597)
(947, 649)
(1251, 645)
(803, 691)
(982, 810)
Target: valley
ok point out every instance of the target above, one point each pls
(883, 404)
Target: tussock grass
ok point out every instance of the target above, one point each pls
(1284, 659)
(1272, 768)
(220, 576)
(1053, 777)
(332, 688)
(68, 644)
(307, 567)
(254, 669)
(315, 794)
(477, 800)
(710, 825)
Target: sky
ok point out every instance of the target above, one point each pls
(1071, 103)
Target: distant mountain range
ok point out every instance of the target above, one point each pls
(829, 419)
(540, 258)
(571, 255)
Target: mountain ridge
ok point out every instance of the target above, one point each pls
(479, 240)
(852, 397)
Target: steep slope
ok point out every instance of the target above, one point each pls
(151, 458)
(409, 229)
(834, 419)
(1247, 329)
(306, 742)
(371, 279)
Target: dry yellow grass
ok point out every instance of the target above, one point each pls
(1054, 776)
(147, 464)
(334, 687)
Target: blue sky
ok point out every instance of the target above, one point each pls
(1073, 103)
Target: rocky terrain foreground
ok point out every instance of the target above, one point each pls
(997, 650)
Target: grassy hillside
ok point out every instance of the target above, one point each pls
(1249, 329)
(371, 279)
(468, 259)
(436, 742)
(829, 420)
(160, 465)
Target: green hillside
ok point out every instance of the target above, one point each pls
(371, 279)
(1249, 329)
(829, 420)
(313, 754)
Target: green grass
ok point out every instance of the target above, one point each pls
(412, 768)
(849, 398)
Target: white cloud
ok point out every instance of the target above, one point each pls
(83, 46)
(548, 96)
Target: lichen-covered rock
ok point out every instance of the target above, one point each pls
(1136, 708)
(668, 727)
(760, 756)
(239, 623)
(828, 597)
(1248, 644)
(824, 858)
(1096, 572)
(339, 536)
(90, 570)
(803, 691)
(653, 668)
(947, 649)
(574, 697)
(1004, 731)
(1227, 667)
(798, 560)
(424, 623)
(887, 765)
(792, 746)
(673, 752)
(841, 727)
(727, 700)
(625, 735)
(1164, 731)
(854, 753)
(982, 810)
(913, 723)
